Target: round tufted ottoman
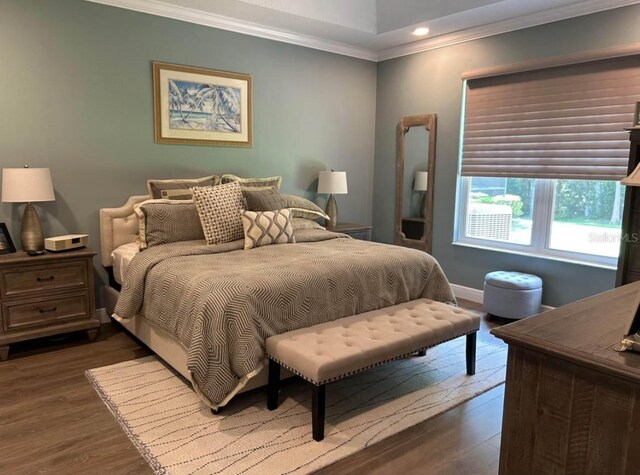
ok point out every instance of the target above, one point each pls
(512, 294)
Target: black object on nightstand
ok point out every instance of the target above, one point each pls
(356, 231)
(46, 295)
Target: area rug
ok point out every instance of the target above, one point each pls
(177, 434)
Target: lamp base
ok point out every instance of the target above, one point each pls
(332, 212)
(31, 231)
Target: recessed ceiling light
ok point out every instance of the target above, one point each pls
(421, 31)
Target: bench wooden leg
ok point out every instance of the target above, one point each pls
(273, 387)
(318, 405)
(422, 353)
(471, 353)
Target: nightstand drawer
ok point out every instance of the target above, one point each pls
(45, 312)
(43, 278)
(362, 235)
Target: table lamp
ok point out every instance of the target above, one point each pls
(420, 183)
(333, 183)
(28, 185)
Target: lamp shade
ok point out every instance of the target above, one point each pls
(24, 185)
(332, 182)
(420, 181)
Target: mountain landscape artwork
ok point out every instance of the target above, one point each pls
(198, 106)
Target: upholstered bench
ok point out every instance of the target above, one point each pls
(331, 351)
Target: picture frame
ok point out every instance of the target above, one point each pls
(6, 244)
(199, 106)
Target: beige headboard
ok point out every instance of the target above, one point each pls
(118, 226)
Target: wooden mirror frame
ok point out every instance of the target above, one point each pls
(428, 121)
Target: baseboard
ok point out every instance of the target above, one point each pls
(476, 295)
(102, 314)
(467, 293)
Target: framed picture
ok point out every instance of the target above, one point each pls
(6, 244)
(197, 106)
(636, 115)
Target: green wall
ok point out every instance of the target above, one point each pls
(430, 82)
(76, 95)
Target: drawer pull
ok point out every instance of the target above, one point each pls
(47, 310)
(45, 279)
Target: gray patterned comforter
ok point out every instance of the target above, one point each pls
(222, 302)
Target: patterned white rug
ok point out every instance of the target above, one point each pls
(176, 434)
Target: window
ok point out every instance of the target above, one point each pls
(542, 155)
(573, 219)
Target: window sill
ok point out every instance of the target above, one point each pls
(568, 260)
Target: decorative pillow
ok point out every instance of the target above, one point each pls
(219, 208)
(262, 228)
(268, 199)
(179, 188)
(308, 214)
(300, 224)
(165, 221)
(303, 208)
(253, 183)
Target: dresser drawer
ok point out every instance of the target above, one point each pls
(23, 315)
(65, 276)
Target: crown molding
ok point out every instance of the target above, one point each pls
(158, 8)
(154, 7)
(505, 26)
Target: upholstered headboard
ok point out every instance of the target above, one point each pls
(118, 226)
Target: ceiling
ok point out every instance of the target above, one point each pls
(369, 29)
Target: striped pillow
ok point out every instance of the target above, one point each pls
(178, 188)
(253, 183)
(262, 228)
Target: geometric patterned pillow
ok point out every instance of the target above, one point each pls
(219, 208)
(262, 228)
(166, 221)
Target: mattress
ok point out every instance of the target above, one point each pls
(122, 257)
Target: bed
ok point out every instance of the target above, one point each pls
(207, 310)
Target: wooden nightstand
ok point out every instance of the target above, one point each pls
(46, 295)
(356, 231)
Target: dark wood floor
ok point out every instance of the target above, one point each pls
(52, 421)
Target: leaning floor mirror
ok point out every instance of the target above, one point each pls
(415, 173)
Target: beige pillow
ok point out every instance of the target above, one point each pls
(178, 188)
(219, 208)
(262, 228)
(166, 221)
(303, 208)
(300, 224)
(253, 183)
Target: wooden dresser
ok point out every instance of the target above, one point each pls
(572, 404)
(45, 295)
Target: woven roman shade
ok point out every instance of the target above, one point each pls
(564, 122)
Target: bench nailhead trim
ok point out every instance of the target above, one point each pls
(360, 370)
